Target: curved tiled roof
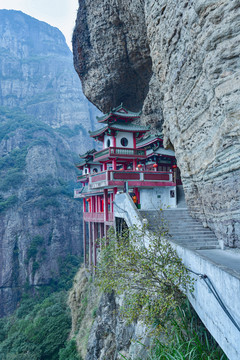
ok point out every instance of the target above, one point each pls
(120, 126)
(116, 112)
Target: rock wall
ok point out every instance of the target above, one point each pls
(44, 120)
(99, 330)
(37, 76)
(179, 61)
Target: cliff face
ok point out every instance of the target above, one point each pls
(37, 76)
(180, 62)
(44, 119)
(100, 331)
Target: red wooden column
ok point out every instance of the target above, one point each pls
(134, 140)
(114, 141)
(113, 198)
(90, 245)
(134, 164)
(114, 164)
(84, 205)
(104, 166)
(93, 204)
(95, 197)
(98, 203)
(84, 243)
(105, 197)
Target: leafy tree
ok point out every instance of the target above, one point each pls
(40, 333)
(147, 270)
(69, 352)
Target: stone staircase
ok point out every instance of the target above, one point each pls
(182, 228)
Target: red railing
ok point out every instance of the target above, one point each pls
(97, 217)
(91, 216)
(82, 178)
(109, 177)
(120, 151)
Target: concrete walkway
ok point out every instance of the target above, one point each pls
(222, 268)
(227, 260)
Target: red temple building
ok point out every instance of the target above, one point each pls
(130, 161)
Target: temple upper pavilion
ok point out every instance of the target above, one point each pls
(131, 160)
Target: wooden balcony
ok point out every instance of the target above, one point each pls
(117, 178)
(78, 194)
(120, 152)
(97, 217)
(82, 178)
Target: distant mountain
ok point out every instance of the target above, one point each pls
(44, 120)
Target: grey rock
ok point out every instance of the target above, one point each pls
(44, 117)
(108, 336)
(185, 60)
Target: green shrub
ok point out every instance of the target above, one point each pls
(191, 340)
(12, 119)
(68, 268)
(69, 352)
(66, 131)
(12, 179)
(36, 242)
(44, 203)
(16, 159)
(10, 201)
(42, 222)
(40, 334)
(157, 276)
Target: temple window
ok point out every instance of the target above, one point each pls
(124, 141)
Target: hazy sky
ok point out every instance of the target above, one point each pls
(59, 13)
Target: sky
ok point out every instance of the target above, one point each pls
(58, 13)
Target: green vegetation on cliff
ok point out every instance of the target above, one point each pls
(39, 328)
(153, 282)
(152, 278)
(13, 163)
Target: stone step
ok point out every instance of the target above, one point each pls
(185, 230)
(175, 231)
(178, 220)
(174, 221)
(204, 247)
(200, 241)
(194, 237)
(182, 229)
(197, 242)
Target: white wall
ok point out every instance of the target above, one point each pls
(94, 167)
(106, 138)
(225, 281)
(128, 136)
(157, 198)
(212, 315)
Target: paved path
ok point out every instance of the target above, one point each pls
(227, 259)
